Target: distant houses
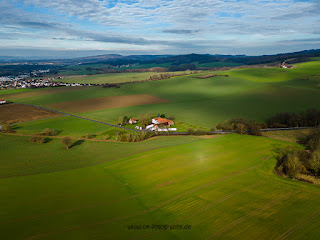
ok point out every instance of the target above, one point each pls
(285, 65)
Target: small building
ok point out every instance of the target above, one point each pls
(285, 65)
(132, 121)
(2, 101)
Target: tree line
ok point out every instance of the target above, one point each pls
(308, 118)
(302, 164)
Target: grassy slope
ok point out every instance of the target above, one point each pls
(20, 157)
(223, 187)
(288, 136)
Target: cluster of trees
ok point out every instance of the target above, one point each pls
(145, 119)
(308, 118)
(39, 138)
(110, 85)
(132, 136)
(241, 126)
(294, 162)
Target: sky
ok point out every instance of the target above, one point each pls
(74, 28)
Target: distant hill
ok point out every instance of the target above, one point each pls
(116, 62)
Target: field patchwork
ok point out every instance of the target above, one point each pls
(95, 104)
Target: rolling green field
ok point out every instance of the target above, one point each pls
(214, 187)
(220, 188)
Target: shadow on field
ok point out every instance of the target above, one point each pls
(59, 132)
(47, 140)
(77, 143)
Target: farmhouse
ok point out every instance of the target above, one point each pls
(161, 125)
(2, 101)
(132, 121)
(285, 65)
(162, 122)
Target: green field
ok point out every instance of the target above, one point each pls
(218, 187)
(223, 188)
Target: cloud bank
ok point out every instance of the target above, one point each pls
(162, 26)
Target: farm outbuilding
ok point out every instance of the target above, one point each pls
(132, 121)
(2, 101)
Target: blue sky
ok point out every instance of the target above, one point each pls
(88, 27)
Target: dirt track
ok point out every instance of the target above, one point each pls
(93, 104)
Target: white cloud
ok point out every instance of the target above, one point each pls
(166, 24)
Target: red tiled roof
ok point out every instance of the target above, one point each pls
(163, 120)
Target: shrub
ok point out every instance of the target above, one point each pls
(255, 129)
(219, 126)
(212, 129)
(49, 132)
(37, 139)
(89, 136)
(66, 141)
(190, 131)
(7, 128)
(107, 137)
(312, 141)
(241, 128)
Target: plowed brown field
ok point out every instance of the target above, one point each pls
(17, 113)
(94, 104)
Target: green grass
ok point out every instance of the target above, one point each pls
(223, 187)
(66, 126)
(10, 91)
(20, 157)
